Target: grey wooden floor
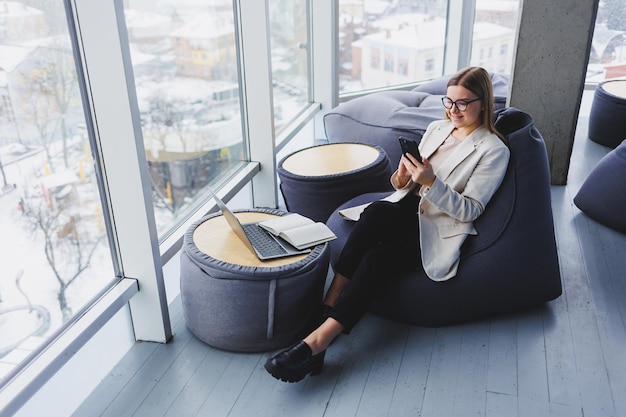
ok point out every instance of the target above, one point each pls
(564, 359)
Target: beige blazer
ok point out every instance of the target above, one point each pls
(465, 183)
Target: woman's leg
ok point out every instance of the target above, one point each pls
(380, 265)
(337, 285)
(383, 243)
(382, 221)
(378, 222)
(377, 248)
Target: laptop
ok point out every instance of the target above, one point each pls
(261, 242)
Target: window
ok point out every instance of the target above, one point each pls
(403, 61)
(56, 255)
(495, 23)
(186, 74)
(372, 32)
(389, 58)
(367, 28)
(289, 35)
(375, 59)
(607, 58)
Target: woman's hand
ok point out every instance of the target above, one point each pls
(420, 173)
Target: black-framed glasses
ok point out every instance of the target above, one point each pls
(461, 105)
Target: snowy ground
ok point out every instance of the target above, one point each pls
(23, 256)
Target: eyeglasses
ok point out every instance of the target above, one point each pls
(461, 105)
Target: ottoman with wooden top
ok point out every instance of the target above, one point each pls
(607, 118)
(234, 301)
(314, 181)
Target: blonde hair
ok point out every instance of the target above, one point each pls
(478, 81)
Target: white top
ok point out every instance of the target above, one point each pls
(616, 88)
(335, 158)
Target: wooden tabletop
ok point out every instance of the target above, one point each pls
(331, 159)
(215, 238)
(617, 88)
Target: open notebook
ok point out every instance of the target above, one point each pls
(261, 242)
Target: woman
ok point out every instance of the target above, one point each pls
(464, 160)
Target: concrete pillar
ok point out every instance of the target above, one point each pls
(548, 74)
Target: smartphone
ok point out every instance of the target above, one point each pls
(410, 146)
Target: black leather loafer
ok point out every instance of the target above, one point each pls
(293, 364)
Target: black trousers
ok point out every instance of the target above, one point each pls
(382, 244)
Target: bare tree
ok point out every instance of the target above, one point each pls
(68, 252)
(50, 91)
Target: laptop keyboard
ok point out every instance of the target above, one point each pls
(262, 241)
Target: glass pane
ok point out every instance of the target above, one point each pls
(385, 43)
(185, 65)
(607, 58)
(55, 252)
(290, 62)
(495, 28)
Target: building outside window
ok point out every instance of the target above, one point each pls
(369, 28)
(185, 67)
(607, 58)
(420, 28)
(495, 25)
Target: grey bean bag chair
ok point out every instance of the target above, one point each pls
(510, 265)
(379, 118)
(603, 194)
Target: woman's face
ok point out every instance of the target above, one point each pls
(469, 119)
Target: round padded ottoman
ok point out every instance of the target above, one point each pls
(314, 181)
(233, 301)
(602, 196)
(607, 119)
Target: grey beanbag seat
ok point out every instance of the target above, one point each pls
(603, 194)
(316, 196)
(607, 117)
(510, 265)
(249, 308)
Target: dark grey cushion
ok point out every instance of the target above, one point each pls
(511, 264)
(607, 117)
(317, 196)
(603, 194)
(245, 308)
(379, 118)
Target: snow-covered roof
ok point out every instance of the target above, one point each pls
(15, 9)
(498, 5)
(431, 34)
(486, 30)
(375, 7)
(59, 179)
(138, 57)
(206, 27)
(11, 56)
(424, 35)
(141, 19)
